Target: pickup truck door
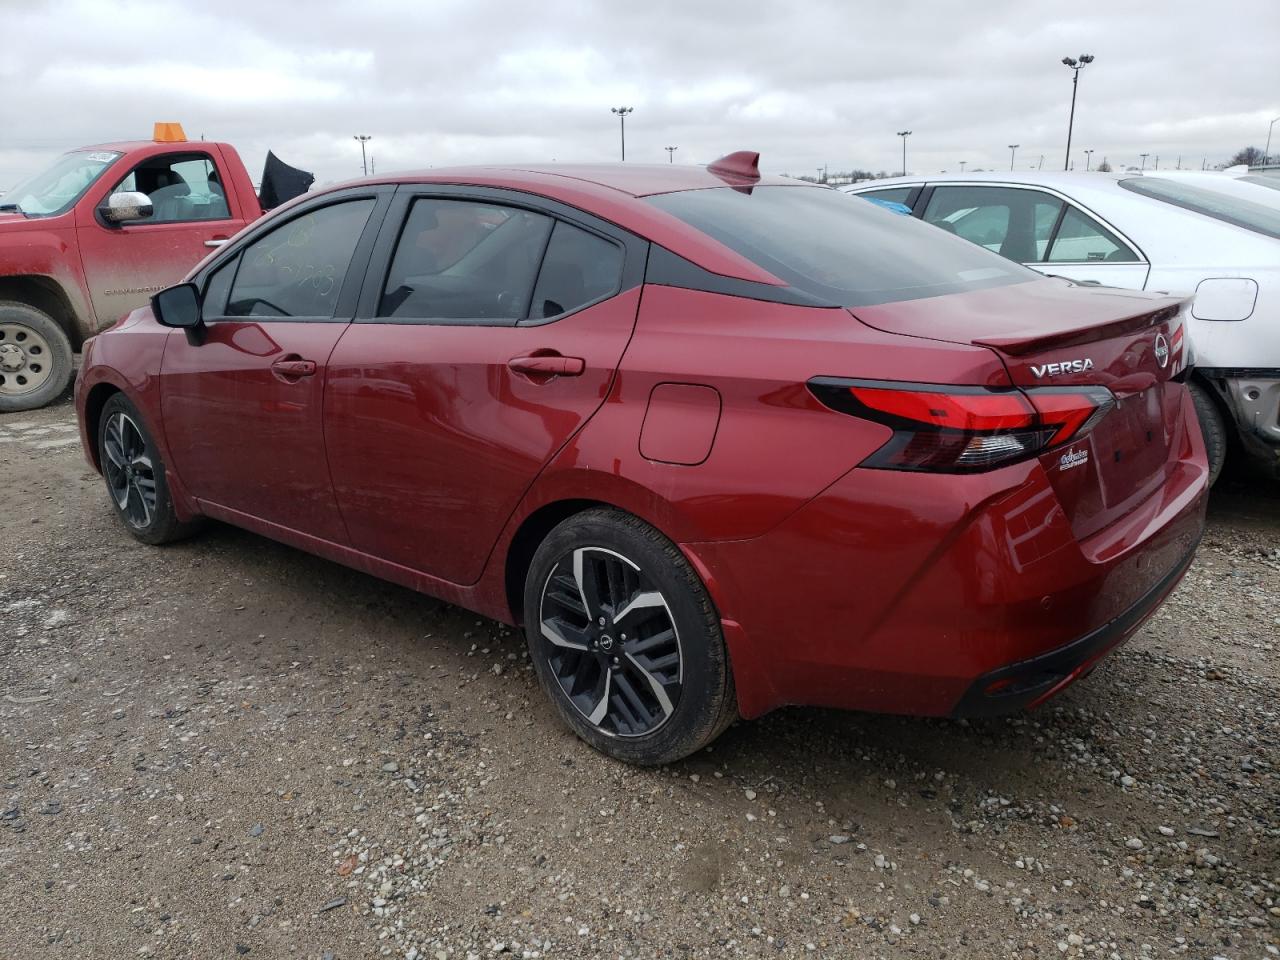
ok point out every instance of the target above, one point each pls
(125, 264)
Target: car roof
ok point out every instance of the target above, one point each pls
(613, 192)
(632, 179)
(1062, 179)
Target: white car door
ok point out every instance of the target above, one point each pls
(1039, 228)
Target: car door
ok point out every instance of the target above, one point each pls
(1037, 228)
(490, 330)
(125, 263)
(242, 399)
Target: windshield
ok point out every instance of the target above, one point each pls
(1271, 183)
(838, 248)
(56, 189)
(1220, 206)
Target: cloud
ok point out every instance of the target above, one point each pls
(451, 82)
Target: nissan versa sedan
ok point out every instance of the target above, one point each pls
(718, 441)
(1219, 245)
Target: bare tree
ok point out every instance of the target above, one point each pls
(1249, 156)
(1103, 167)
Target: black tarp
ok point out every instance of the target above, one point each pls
(281, 182)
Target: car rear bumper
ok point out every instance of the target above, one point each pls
(1029, 683)
(899, 592)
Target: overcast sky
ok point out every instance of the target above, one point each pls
(439, 82)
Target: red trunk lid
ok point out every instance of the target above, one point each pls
(1050, 334)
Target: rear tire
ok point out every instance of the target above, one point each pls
(1213, 428)
(135, 476)
(36, 359)
(625, 639)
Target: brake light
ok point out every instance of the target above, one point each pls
(950, 429)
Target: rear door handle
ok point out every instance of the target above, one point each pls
(550, 365)
(294, 369)
(216, 241)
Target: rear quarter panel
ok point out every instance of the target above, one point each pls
(776, 447)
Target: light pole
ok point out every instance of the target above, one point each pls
(1013, 150)
(1088, 158)
(962, 163)
(364, 162)
(1266, 154)
(622, 126)
(1076, 66)
(904, 134)
(1144, 161)
(671, 153)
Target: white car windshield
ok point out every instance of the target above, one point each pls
(1220, 206)
(55, 189)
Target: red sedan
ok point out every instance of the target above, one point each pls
(718, 441)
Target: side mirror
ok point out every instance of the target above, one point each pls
(178, 306)
(126, 206)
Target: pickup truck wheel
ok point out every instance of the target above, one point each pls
(1214, 430)
(35, 358)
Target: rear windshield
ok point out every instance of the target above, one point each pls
(839, 248)
(1220, 206)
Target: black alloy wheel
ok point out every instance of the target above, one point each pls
(129, 470)
(625, 639)
(611, 641)
(135, 475)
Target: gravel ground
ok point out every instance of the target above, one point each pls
(228, 748)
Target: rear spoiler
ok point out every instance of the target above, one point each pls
(281, 182)
(1036, 343)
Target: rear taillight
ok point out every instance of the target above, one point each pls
(949, 429)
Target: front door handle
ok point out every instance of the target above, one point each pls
(293, 369)
(548, 365)
(216, 241)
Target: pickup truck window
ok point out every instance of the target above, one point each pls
(182, 188)
(56, 189)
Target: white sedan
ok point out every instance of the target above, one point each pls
(1144, 233)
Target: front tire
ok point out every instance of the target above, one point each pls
(135, 475)
(1214, 430)
(625, 639)
(36, 360)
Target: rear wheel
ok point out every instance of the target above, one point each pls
(135, 476)
(625, 639)
(1213, 428)
(35, 358)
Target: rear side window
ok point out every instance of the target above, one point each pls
(839, 248)
(463, 260)
(1234, 210)
(297, 269)
(579, 268)
(1081, 239)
